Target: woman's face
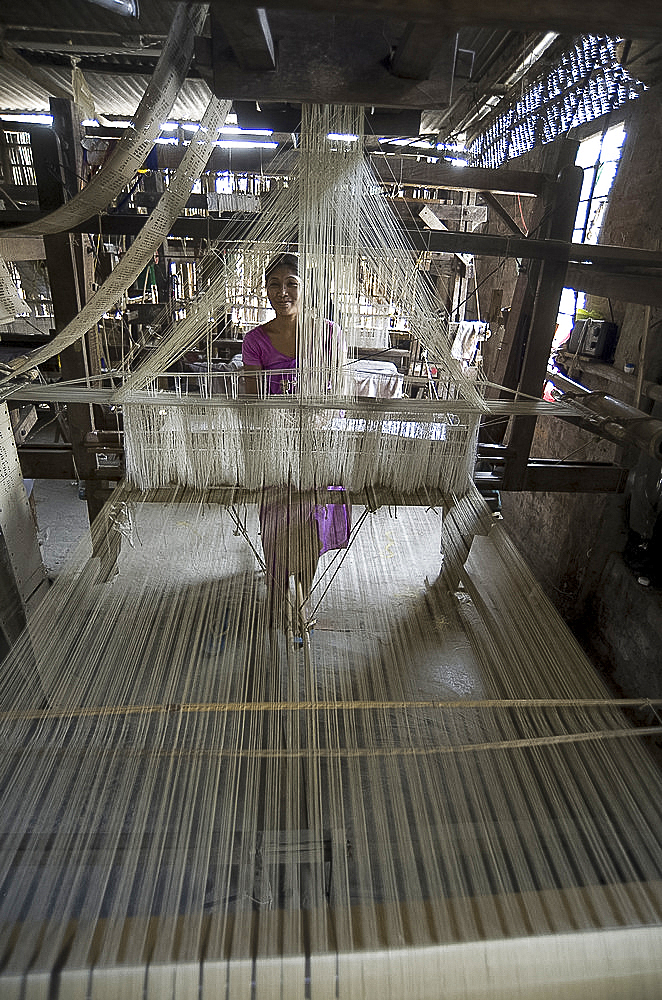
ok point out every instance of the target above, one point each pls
(283, 287)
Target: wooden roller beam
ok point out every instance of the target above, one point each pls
(640, 20)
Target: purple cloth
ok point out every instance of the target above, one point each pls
(258, 350)
(282, 516)
(333, 523)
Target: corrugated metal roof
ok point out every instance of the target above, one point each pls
(155, 16)
(117, 94)
(117, 81)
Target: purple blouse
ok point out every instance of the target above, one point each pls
(258, 350)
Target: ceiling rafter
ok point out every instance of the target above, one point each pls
(640, 20)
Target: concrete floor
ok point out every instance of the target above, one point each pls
(61, 514)
(423, 829)
(62, 521)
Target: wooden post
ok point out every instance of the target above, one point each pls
(508, 364)
(58, 161)
(21, 568)
(543, 324)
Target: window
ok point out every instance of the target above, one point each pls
(598, 156)
(20, 158)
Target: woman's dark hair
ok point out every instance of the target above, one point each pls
(282, 260)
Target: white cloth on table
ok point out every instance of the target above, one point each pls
(214, 380)
(380, 379)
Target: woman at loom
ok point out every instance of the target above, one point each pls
(295, 530)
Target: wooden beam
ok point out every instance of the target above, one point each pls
(611, 267)
(506, 364)
(551, 476)
(548, 475)
(502, 213)
(543, 322)
(640, 20)
(323, 58)
(508, 361)
(21, 565)
(22, 248)
(55, 461)
(644, 289)
(605, 259)
(247, 30)
(419, 48)
(487, 245)
(390, 169)
(130, 224)
(69, 261)
(412, 170)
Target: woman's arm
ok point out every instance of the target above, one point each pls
(251, 379)
(251, 354)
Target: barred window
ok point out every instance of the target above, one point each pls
(20, 158)
(598, 156)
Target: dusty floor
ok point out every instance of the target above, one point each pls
(234, 777)
(62, 521)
